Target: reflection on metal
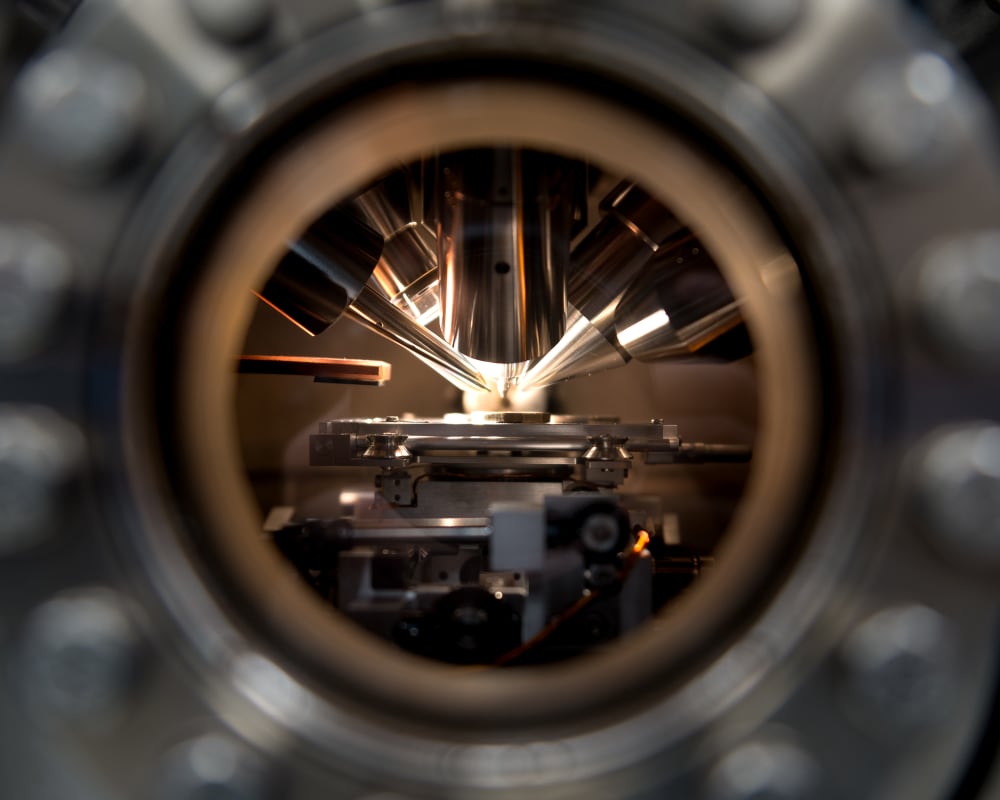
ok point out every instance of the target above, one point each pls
(407, 271)
(379, 315)
(325, 275)
(675, 304)
(504, 228)
(386, 450)
(323, 271)
(675, 309)
(603, 266)
(639, 285)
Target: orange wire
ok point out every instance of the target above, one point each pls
(642, 539)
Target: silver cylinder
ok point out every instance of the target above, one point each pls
(503, 247)
(610, 258)
(676, 308)
(324, 271)
(407, 271)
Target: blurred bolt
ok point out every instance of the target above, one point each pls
(34, 279)
(958, 299)
(898, 670)
(955, 486)
(213, 766)
(83, 111)
(238, 108)
(905, 117)
(232, 21)
(599, 533)
(80, 654)
(754, 22)
(765, 768)
(39, 453)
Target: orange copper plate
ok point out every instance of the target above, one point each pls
(325, 370)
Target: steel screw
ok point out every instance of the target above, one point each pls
(898, 670)
(34, 278)
(83, 111)
(765, 768)
(956, 492)
(754, 22)
(39, 452)
(958, 298)
(213, 765)
(905, 117)
(80, 654)
(232, 21)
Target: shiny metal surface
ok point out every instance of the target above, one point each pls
(602, 267)
(323, 271)
(675, 309)
(503, 240)
(407, 271)
(243, 663)
(376, 313)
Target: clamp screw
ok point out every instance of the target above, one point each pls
(39, 452)
(958, 299)
(898, 670)
(84, 111)
(606, 448)
(955, 487)
(387, 447)
(80, 654)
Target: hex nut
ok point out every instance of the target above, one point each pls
(955, 492)
(213, 765)
(80, 654)
(766, 766)
(35, 277)
(898, 671)
(39, 454)
(232, 21)
(82, 111)
(957, 300)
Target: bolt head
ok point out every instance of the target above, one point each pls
(39, 454)
(906, 118)
(213, 765)
(83, 111)
(898, 670)
(80, 654)
(35, 275)
(768, 767)
(232, 21)
(958, 299)
(955, 489)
